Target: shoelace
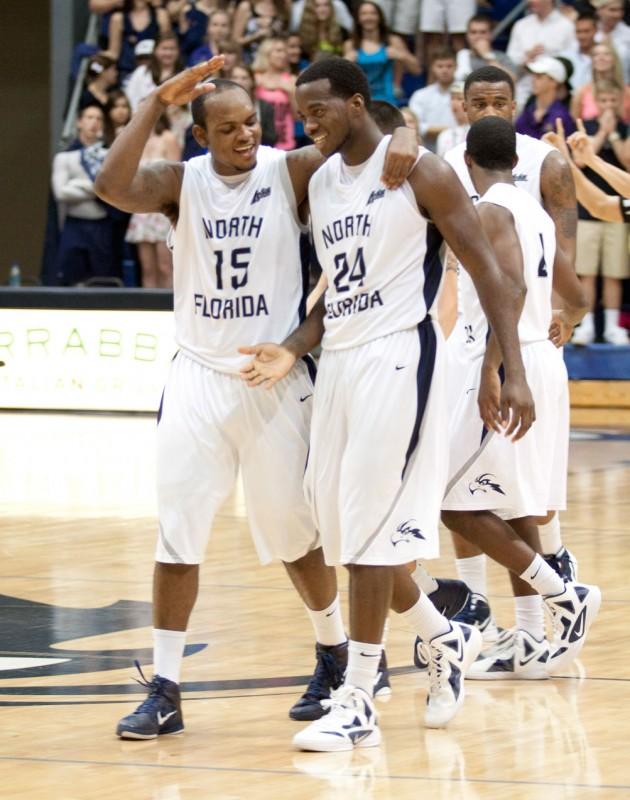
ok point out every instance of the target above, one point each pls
(327, 675)
(154, 690)
(435, 660)
(337, 703)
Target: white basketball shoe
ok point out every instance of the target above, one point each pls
(350, 722)
(572, 613)
(518, 656)
(449, 657)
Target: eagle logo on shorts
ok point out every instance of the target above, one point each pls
(485, 482)
(406, 531)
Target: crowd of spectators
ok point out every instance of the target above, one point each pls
(569, 60)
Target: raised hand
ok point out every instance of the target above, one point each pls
(557, 139)
(581, 145)
(271, 363)
(187, 85)
(400, 158)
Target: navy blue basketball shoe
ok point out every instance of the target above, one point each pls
(450, 598)
(159, 714)
(330, 667)
(564, 563)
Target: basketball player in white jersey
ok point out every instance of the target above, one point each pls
(237, 275)
(491, 478)
(377, 462)
(546, 175)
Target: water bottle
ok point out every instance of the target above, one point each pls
(15, 275)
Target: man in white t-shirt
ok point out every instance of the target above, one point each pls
(545, 31)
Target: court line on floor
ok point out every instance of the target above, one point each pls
(299, 773)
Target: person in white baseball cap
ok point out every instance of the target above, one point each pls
(540, 114)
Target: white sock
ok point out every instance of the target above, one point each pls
(529, 615)
(422, 578)
(363, 661)
(473, 572)
(168, 653)
(551, 536)
(425, 620)
(542, 577)
(611, 318)
(385, 633)
(588, 321)
(328, 624)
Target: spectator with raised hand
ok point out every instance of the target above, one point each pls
(540, 114)
(544, 31)
(137, 20)
(606, 66)
(614, 30)
(218, 31)
(319, 30)
(256, 20)
(376, 51)
(165, 62)
(479, 52)
(601, 244)
(276, 85)
(101, 77)
(432, 105)
(579, 54)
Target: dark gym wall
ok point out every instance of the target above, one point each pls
(24, 142)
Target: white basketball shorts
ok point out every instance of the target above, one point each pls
(488, 472)
(210, 424)
(377, 466)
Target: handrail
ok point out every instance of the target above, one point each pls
(508, 19)
(68, 131)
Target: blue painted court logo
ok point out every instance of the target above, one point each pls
(406, 531)
(483, 483)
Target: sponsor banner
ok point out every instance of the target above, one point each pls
(97, 360)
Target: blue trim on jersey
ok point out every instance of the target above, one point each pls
(307, 257)
(310, 366)
(432, 265)
(424, 376)
(161, 407)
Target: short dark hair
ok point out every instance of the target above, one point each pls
(386, 116)
(491, 143)
(589, 15)
(198, 105)
(489, 75)
(346, 78)
(443, 54)
(485, 18)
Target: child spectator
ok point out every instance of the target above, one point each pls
(432, 105)
(451, 137)
(117, 115)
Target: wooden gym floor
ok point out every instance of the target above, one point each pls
(76, 546)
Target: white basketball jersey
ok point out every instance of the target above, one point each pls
(531, 154)
(537, 236)
(237, 271)
(381, 257)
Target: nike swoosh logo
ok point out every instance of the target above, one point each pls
(578, 628)
(162, 719)
(370, 655)
(306, 396)
(470, 390)
(330, 613)
(400, 367)
(531, 577)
